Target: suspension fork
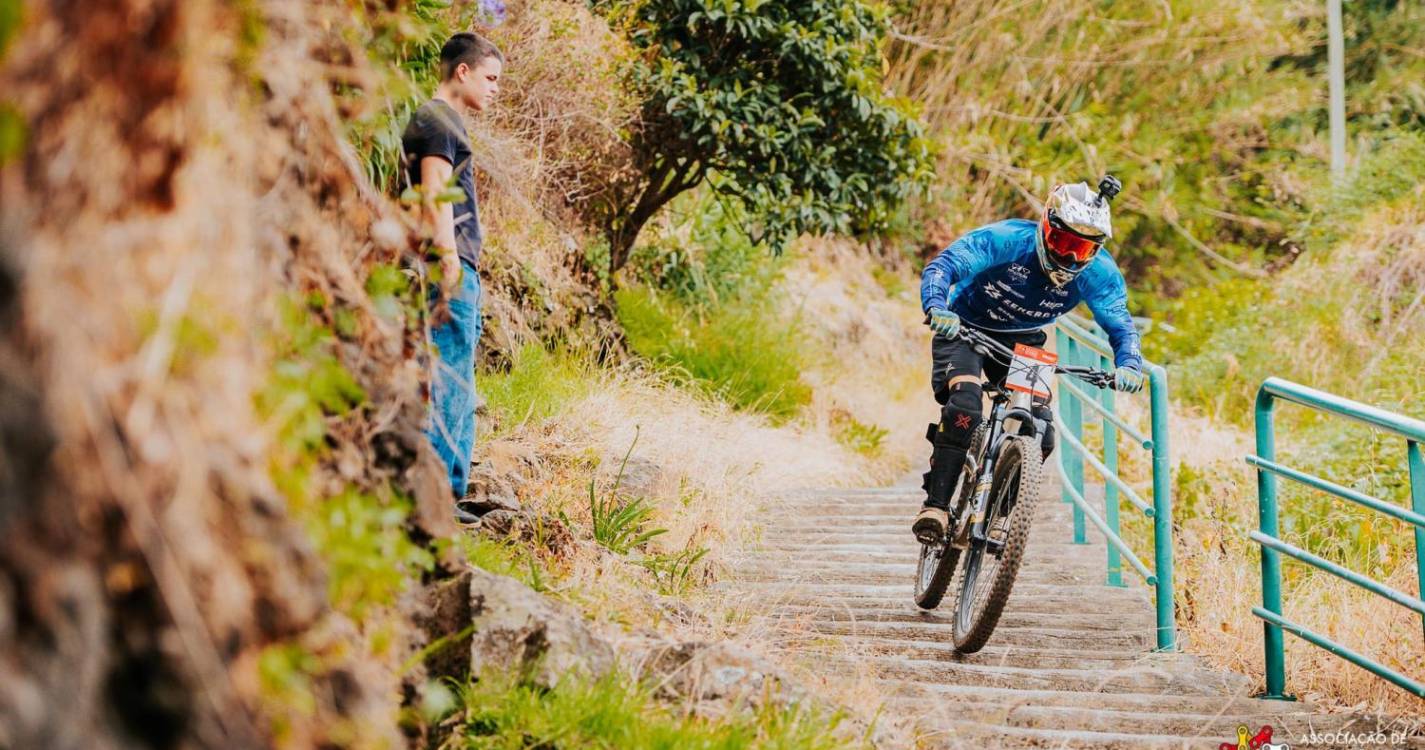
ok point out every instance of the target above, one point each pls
(975, 522)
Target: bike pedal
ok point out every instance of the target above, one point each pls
(929, 535)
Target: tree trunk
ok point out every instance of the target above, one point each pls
(665, 184)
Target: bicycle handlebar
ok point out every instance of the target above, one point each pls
(1091, 375)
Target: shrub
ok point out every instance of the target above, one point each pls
(779, 104)
(703, 256)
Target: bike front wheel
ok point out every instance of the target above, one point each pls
(992, 564)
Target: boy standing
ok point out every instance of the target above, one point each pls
(436, 149)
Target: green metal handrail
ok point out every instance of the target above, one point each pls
(1081, 343)
(1273, 547)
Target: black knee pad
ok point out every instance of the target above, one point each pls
(960, 416)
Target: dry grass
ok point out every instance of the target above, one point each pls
(1219, 624)
(874, 351)
(1377, 277)
(713, 472)
(1025, 95)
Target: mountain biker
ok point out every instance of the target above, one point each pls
(1010, 280)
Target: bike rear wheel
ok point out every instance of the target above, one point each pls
(988, 575)
(936, 566)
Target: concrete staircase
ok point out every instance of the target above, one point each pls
(1070, 665)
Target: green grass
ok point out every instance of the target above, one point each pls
(866, 439)
(739, 351)
(497, 713)
(539, 384)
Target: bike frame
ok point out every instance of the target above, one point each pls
(1006, 405)
(1018, 406)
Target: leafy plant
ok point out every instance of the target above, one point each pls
(866, 439)
(369, 557)
(674, 572)
(779, 104)
(704, 257)
(619, 523)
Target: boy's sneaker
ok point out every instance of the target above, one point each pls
(465, 513)
(929, 526)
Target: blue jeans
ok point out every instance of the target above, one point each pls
(452, 417)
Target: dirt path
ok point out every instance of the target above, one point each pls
(1069, 666)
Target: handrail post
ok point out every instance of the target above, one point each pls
(1110, 491)
(1061, 341)
(1162, 510)
(1074, 416)
(1274, 649)
(1417, 504)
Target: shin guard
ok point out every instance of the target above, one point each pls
(959, 419)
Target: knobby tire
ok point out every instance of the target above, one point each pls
(1018, 474)
(930, 586)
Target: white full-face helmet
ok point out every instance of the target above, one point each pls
(1075, 223)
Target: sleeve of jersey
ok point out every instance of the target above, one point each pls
(964, 258)
(1108, 300)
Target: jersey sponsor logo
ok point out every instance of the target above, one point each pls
(1059, 291)
(1018, 274)
(993, 292)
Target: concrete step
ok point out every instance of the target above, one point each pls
(1005, 634)
(1063, 601)
(1070, 664)
(1013, 617)
(964, 734)
(1130, 679)
(902, 589)
(1054, 551)
(889, 573)
(1229, 703)
(1001, 655)
(896, 535)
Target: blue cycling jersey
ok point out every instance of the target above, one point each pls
(992, 279)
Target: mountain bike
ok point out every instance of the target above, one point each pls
(997, 491)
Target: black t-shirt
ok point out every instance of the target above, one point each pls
(436, 130)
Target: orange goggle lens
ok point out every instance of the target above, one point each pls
(1067, 247)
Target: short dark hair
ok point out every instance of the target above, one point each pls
(468, 48)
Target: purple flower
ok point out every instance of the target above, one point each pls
(494, 11)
